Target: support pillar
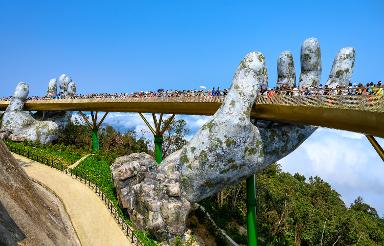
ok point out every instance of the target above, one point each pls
(94, 127)
(95, 141)
(159, 148)
(1, 119)
(158, 132)
(251, 211)
(376, 146)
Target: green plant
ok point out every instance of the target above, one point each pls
(96, 169)
(65, 155)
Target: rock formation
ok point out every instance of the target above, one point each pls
(286, 75)
(64, 80)
(52, 88)
(224, 151)
(71, 91)
(310, 63)
(19, 125)
(67, 90)
(342, 68)
(28, 215)
(42, 126)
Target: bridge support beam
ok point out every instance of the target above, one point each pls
(251, 210)
(158, 130)
(94, 127)
(376, 146)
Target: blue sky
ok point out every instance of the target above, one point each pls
(118, 46)
(123, 46)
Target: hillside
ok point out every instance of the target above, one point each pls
(292, 210)
(29, 215)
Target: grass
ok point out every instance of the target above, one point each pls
(58, 153)
(96, 169)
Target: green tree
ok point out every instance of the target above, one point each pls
(174, 137)
(293, 210)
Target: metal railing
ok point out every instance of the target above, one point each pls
(82, 177)
(357, 102)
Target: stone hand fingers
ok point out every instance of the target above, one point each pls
(342, 68)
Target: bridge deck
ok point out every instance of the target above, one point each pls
(351, 113)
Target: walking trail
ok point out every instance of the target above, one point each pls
(91, 219)
(79, 161)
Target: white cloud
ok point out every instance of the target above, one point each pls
(346, 160)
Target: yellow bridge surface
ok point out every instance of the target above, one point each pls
(352, 113)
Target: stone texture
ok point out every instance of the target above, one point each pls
(64, 80)
(227, 149)
(19, 125)
(342, 68)
(310, 63)
(61, 118)
(52, 88)
(28, 214)
(71, 91)
(286, 75)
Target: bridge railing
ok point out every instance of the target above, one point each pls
(128, 231)
(358, 102)
(279, 97)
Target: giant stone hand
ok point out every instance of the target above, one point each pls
(19, 125)
(224, 151)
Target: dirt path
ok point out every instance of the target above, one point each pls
(79, 161)
(91, 219)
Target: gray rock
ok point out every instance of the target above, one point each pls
(29, 214)
(342, 68)
(71, 91)
(223, 152)
(61, 118)
(286, 75)
(64, 80)
(52, 88)
(310, 63)
(21, 126)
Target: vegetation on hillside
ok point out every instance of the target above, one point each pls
(60, 153)
(112, 143)
(96, 169)
(292, 210)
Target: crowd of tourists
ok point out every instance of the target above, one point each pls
(370, 89)
(141, 94)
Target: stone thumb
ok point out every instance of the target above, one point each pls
(250, 76)
(19, 97)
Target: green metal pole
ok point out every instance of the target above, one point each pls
(251, 210)
(158, 148)
(95, 141)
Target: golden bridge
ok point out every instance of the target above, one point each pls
(362, 114)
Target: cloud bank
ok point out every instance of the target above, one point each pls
(346, 160)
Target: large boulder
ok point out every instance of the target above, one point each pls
(19, 125)
(28, 213)
(227, 149)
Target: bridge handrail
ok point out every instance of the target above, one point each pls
(128, 231)
(368, 103)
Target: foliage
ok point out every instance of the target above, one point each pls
(96, 168)
(112, 142)
(174, 137)
(294, 211)
(60, 153)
